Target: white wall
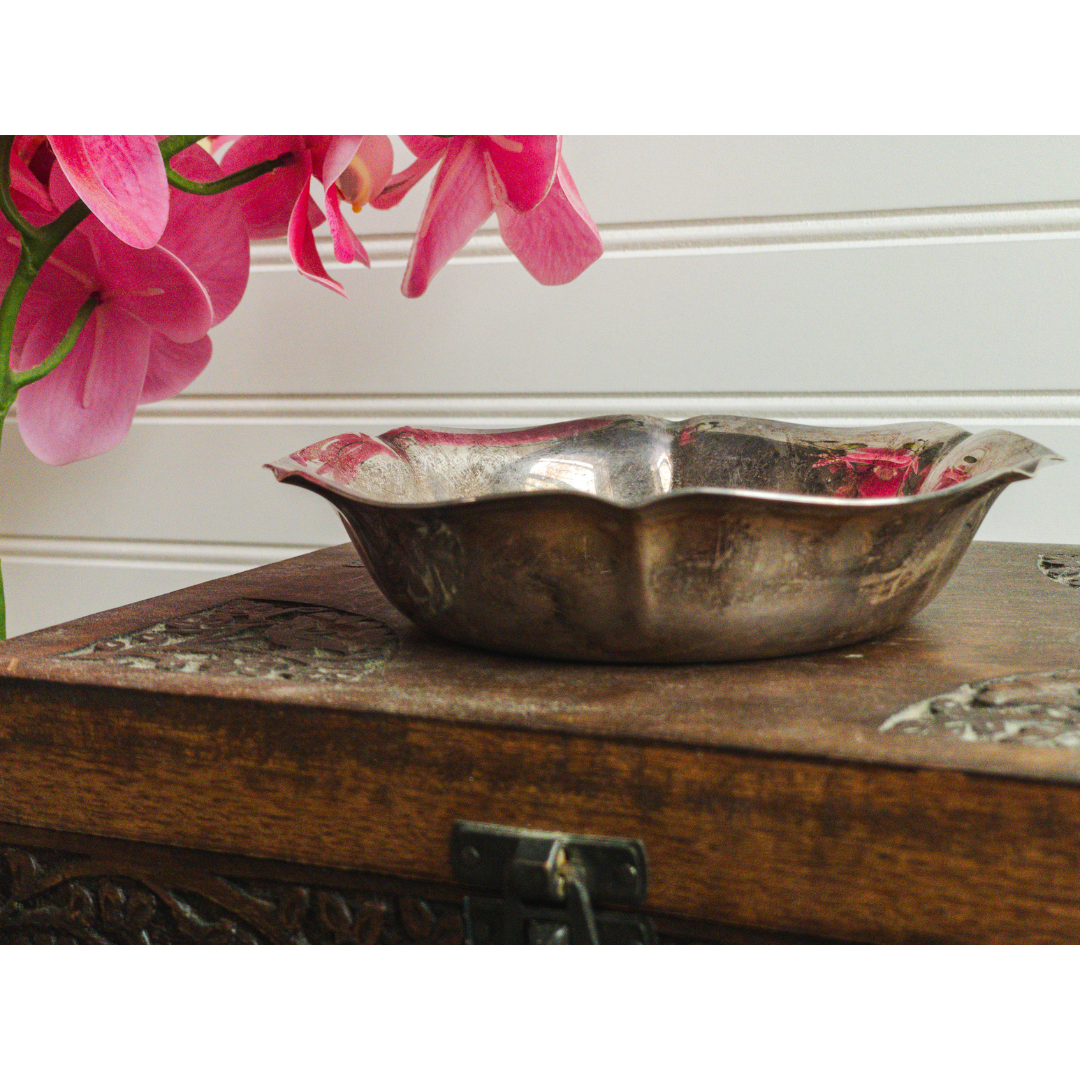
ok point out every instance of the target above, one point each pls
(828, 279)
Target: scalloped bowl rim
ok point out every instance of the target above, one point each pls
(287, 468)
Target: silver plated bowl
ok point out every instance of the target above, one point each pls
(628, 538)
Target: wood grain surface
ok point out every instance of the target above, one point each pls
(764, 792)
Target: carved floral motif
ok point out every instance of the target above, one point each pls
(1035, 710)
(50, 897)
(1061, 567)
(258, 639)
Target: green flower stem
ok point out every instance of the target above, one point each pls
(173, 144)
(58, 230)
(9, 312)
(227, 183)
(66, 344)
(3, 606)
(33, 254)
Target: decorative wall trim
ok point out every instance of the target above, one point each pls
(203, 556)
(463, 410)
(1058, 407)
(874, 228)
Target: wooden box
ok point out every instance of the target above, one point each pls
(279, 756)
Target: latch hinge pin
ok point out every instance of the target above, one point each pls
(550, 883)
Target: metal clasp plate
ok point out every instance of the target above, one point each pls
(551, 885)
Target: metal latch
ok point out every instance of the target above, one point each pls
(550, 885)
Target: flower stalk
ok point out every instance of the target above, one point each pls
(226, 183)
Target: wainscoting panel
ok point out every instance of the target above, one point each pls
(942, 316)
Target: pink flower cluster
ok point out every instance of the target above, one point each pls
(167, 265)
(351, 167)
(522, 179)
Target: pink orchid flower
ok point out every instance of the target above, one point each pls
(32, 160)
(350, 167)
(122, 179)
(148, 338)
(522, 179)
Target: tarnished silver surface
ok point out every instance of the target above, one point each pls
(628, 538)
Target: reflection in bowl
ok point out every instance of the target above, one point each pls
(628, 538)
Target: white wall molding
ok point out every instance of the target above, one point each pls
(464, 410)
(876, 228)
(486, 410)
(203, 557)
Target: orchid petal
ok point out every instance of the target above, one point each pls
(400, 184)
(154, 286)
(317, 146)
(37, 154)
(302, 246)
(347, 246)
(268, 201)
(172, 367)
(60, 190)
(377, 152)
(337, 155)
(426, 146)
(208, 235)
(458, 204)
(122, 179)
(334, 159)
(556, 241)
(525, 167)
(24, 181)
(85, 406)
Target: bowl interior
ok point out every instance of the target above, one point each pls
(628, 460)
